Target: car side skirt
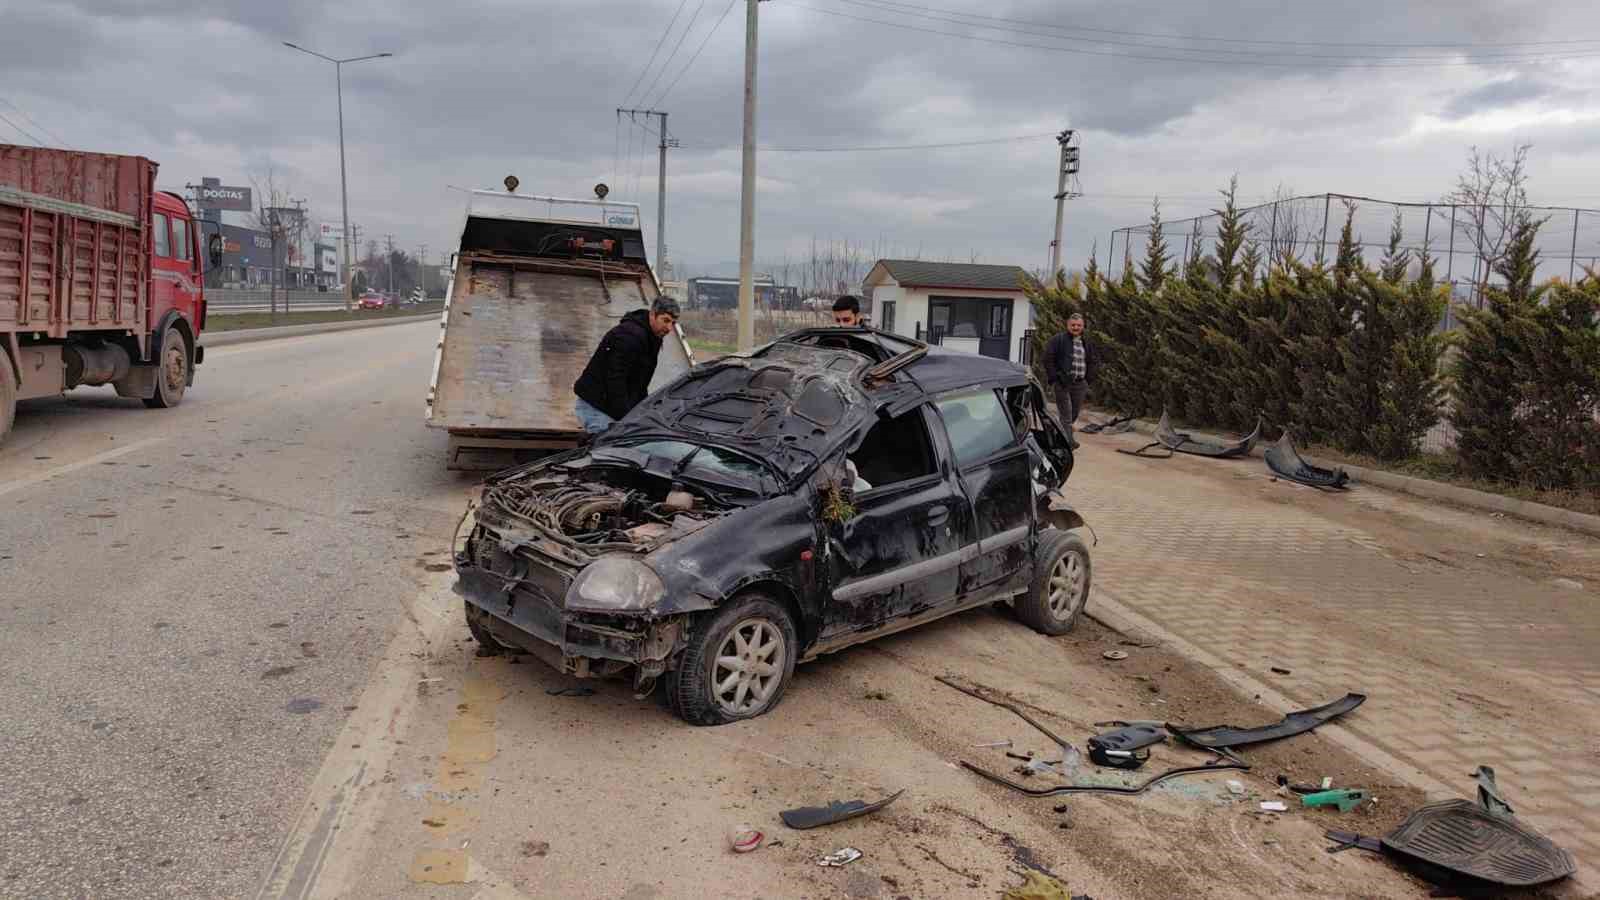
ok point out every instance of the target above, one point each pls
(839, 642)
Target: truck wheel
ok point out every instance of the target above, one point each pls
(172, 371)
(480, 632)
(737, 663)
(8, 397)
(1060, 586)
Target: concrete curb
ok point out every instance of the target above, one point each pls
(1436, 490)
(250, 335)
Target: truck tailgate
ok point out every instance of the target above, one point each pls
(516, 337)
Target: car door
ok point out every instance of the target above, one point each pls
(899, 551)
(993, 464)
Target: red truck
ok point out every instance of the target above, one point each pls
(100, 279)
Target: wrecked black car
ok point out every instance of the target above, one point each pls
(829, 488)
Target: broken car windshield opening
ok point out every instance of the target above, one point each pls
(673, 458)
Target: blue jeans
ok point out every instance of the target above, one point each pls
(594, 421)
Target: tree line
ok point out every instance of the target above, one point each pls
(1348, 352)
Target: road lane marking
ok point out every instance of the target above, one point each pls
(322, 854)
(31, 480)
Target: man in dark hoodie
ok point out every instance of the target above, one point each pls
(618, 374)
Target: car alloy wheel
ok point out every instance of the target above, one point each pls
(1067, 585)
(749, 666)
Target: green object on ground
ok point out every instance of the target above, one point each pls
(1037, 886)
(1344, 798)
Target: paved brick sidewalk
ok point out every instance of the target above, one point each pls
(1466, 659)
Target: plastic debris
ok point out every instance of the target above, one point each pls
(1005, 743)
(1344, 798)
(1273, 806)
(1037, 886)
(844, 856)
(1327, 782)
(1235, 788)
(1115, 654)
(743, 838)
(813, 816)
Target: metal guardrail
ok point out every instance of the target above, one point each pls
(222, 301)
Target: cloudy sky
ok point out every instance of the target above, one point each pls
(1369, 97)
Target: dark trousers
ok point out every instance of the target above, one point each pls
(1069, 402)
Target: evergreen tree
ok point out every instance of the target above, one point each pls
(1409, 392)
(1396, 260)
(1232, 234)
(1157, 266)
(1489, 385)
(1558, 444)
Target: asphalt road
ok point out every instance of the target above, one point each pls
(192, 600)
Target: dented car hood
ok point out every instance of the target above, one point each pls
(789, 407)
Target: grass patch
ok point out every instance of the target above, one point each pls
(1441, 467)
(243, 321)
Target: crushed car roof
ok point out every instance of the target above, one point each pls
(791, 402)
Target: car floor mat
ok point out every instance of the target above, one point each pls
(1183, 442)
(1299, 722)
(814, 816)
(1285, 462)
(1462, 837)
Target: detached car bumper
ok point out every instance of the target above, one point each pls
(523, 613)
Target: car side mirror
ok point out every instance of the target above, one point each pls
(214, 250)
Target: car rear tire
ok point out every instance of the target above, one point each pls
(8, 397)
(172, 371)
(737, 664)
(480, 631)
(1060, 588)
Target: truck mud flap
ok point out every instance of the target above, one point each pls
(1464, 839)
(1223, 736)
(1285, 462)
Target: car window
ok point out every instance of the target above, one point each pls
(895, 450)
(977, 424)
(180, 240)
(163, 249)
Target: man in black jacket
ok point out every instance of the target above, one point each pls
(618, 374)
(1070, 361)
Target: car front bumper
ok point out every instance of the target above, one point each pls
(527, 613)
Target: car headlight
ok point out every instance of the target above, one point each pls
(616, 583)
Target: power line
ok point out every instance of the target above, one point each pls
(1056, 48)
(35, 123)
(651, 61)
(690, 64)
(893, 7)
(22, 131)
(1236, 40)
(672, 56)
(865, 149)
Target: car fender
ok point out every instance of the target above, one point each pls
(1055, 511)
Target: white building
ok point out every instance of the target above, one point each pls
(961, 306)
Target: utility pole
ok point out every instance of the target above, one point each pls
(422, 267)
(389, 244)
(661, 181)
(1068, 166)
(747, 188)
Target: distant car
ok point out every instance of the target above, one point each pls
(372, 300)
(829, 488)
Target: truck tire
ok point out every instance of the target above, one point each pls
(172, 370)
(8, 397)
(750, 646)
(1060, 588)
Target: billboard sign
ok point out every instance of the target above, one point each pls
(330, 231)
(329, 260)
(221, 196)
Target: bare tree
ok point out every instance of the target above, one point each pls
(276, 217)
(1288, 222)
(1490, 195)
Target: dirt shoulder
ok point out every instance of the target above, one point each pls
(606, 796)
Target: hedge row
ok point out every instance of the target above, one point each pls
(1348, 354)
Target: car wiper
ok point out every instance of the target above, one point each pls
(680, 465)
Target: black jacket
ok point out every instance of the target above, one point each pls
(618, 374)
(1058, 359)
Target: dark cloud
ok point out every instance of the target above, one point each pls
(481, 88)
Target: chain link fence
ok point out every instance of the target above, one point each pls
(1464, 241)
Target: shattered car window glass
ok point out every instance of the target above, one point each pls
(977, 425)
(895, 450)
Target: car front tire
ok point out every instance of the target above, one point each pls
(737, 664)
(1060, 588)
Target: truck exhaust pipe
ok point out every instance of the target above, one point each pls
(95, 365)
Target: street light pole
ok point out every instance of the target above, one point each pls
(747, 188)
(344, 192)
